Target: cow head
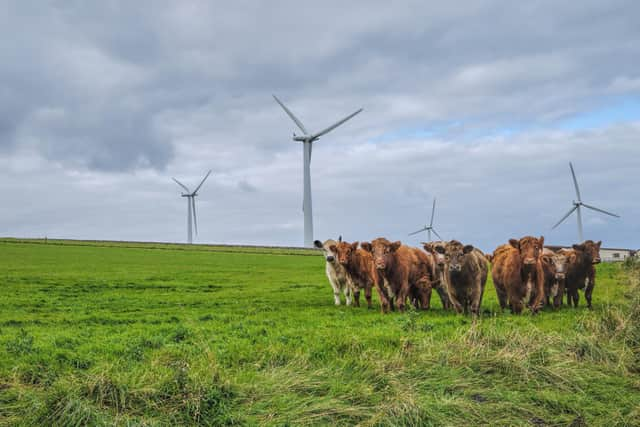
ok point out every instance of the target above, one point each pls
(455, 254)
(591, 250)
(432, 249)
(530, 249)
(329, 255)
(559, 261)
(344, 251)
(382, 250)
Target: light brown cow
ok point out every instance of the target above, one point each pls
(465, 272)
(404, 272)
(336, 273)
(581, 272)
(517, 274)
(438, 276)
(554, 266)
(359, 266)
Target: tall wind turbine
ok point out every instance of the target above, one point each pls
(577, 205)
(429, 228)
(191, 206)
(307, 140)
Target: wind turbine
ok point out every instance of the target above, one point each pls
(191, 206)
(577, 205)
(307, 140)
(429, 228)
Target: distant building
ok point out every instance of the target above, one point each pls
(607, 254)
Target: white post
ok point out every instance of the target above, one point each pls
(189, 224)
(306, 204)
(580, 236)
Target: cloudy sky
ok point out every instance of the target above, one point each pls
(481, 106)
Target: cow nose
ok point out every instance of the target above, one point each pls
(596, 260)
(330, 258)
(455, 268)
(529, 261)
(380, 266)
(560, 276)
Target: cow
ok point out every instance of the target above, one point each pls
(554, 266)
(439, 282)
(517, 274)
(465, 273)
(581, 272)
(358, 264)
(404, 272)
(336, 273)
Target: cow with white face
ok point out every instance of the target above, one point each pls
(336, 273)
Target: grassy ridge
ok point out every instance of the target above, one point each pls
(93, 335)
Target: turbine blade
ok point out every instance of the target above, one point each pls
(575, 182)
(181, 185)
(419, 231)
(195, 219)
(290, 114)
(333, 126)
(600, 210)
(433, 211)
(565, 217)
(436, 233)
(202, 182)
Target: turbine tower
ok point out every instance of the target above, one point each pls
(307, 140)
(191, 206)
(429, 228)
(577, 205)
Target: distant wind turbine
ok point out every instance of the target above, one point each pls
(307, 140)
(577, 205)
(429, 228)
(191, 206)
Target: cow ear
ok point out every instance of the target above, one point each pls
(340, 238)
(514, 243)
(428, 247)
(467, 249)
(541, 240)
(317, 244)
(333, 248)
(366, 246)
(579, 247)
(440, 249)
(599, 243)
(354, 246)
(395, 245)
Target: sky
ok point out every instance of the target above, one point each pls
(481, 106)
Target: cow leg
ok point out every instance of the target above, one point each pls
(502, 296)
(347, 294)
(557, 298)
(336, 297)
(356, 297)
(575, 296)
(367, 295)
(588, 291)
(443, 297)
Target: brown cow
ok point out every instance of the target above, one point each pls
(517, 274)
(554, 266)
(581, 273)
(465, 274)
(404, 272)
(439, 282)
(359, 266)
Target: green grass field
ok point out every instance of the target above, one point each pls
(136, 335)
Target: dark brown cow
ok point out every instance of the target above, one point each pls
(517, 274)
(358, 264)
(439, 282)
(465, 274)
(554, 266)
(404, 272)
(581, 273)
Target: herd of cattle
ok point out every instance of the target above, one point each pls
(524, 272)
